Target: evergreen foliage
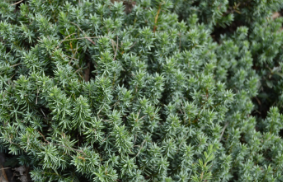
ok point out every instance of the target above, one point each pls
(145, 90)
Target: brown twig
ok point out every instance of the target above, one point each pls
(140, 148)
(105, 138)
(156, 18)
(17, 3)
(88, 38)
(15, 65)
(3, 174)
(43, 137)
(100, 109)
(116, 49)
(80, 151)
(64, 40)
(36, 96)
(4, 168)
(43, 113)
(223, 131)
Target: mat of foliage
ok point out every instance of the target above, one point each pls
(145, 90)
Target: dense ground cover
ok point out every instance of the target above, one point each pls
(145, 90)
